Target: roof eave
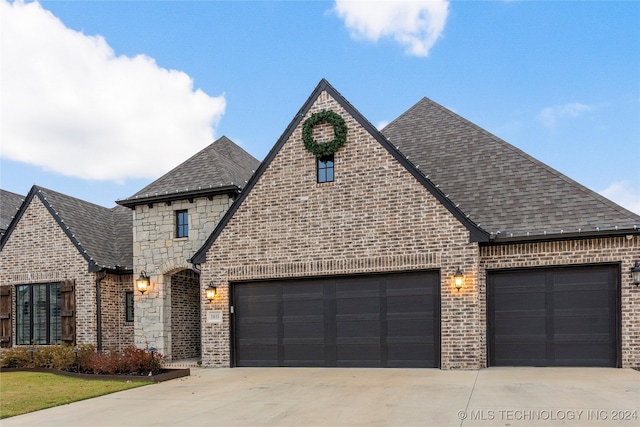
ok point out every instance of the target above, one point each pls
(120, 270)
(172, 197)
(538, 238)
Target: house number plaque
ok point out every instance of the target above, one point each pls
(214, 316)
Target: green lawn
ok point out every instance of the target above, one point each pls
(22, 392)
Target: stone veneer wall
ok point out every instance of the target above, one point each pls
(620, 250)
(117, 333)
(375, 217)
(185, 315)
(156, 251)
(38, 251)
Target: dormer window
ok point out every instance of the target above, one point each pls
(182, 224)
(325, 169)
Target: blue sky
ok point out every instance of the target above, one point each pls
(100, 117)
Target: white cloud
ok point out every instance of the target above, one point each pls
(625, 194)
(549, 116)
(71, 106)
(415, 24)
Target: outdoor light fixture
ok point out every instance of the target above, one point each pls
(635, 273)
(458, 279)
(142, 282)
(210, 292)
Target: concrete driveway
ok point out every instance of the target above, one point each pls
(364, 397)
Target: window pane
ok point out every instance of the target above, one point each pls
(322, 175)
(55, 320)
(40, 314)
(129, 306)
(182, 223)
(23, 315)
(325, 169)
(330, 173)
(38, 319)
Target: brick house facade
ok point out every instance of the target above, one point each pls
(358, 266)
(319, 274)
(54, 243)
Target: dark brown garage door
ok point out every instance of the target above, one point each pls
(389, 320)
(554, 317)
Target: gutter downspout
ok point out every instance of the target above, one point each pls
(99, 310)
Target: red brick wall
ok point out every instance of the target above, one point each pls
(375, 217)
(117, 333)
(38, 251)
(185, 315)
(622, 250)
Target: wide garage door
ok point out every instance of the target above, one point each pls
(389, 320)
(566, 316)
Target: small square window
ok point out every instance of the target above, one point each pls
(128, 297)
(182, 224)
(325, 169)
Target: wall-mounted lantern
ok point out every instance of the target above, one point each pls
(210, 292)
(458, 279)
(635, 273)
(142, 282)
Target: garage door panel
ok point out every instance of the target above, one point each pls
(258, 308)
(258, 355)
(525, 326)
(408, 303)
(573, 322)
(511, 354)
(356, 306)
(582, 299)
(519, 301)
(258, 330)
(303, 307)
(596, 275)
(369, 321)
(363, 329)
(303, 330)
(358, 354)
(405, 328)
(587, 325)
(304, 353)
(594, 339)
(408, 351)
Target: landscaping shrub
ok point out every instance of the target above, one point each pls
(17, 357)
(131, 361)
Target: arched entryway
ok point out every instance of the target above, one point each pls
(185, 315)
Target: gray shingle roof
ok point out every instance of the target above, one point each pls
(106, 234)
(9, 205)
(103, 236)
(222, 166)
(500, 187)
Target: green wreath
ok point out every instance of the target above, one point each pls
(329, 147)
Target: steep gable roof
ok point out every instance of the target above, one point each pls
(104, 237)
(505, 191)
(9, 205)
(475, 233)
(222, 167)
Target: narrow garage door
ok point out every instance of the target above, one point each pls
(389, 320)
(553, 317)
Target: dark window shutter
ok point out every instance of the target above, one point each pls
(68, 311)
(5, 316)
